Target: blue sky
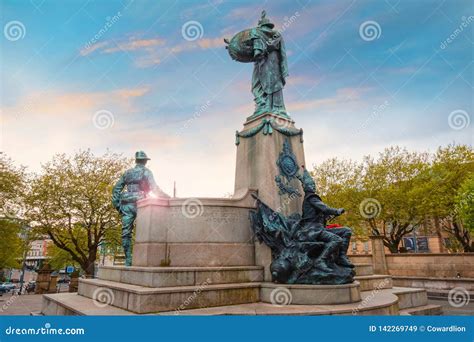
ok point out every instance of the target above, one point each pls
(181, 99)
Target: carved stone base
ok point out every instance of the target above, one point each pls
(284, 294)
(194, 232)
(261, 144)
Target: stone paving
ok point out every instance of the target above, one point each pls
(24, 304)
(448, 310)
(19, 305)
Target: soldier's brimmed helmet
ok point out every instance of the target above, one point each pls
(264, 21)
(140, 155)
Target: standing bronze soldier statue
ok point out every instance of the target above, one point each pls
(139, 183)
(265, 47)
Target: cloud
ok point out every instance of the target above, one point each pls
(343, 96)
(41, 125)
(132, 44)
(87, 50)
(151, 51)
(57, 104)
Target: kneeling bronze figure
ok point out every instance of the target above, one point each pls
(304, 251)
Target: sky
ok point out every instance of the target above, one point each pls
(124, 75)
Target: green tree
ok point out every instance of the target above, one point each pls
(393, 186)
(465, 203)
(13, 182)
(11, 244)
(70, 202)
(59, 258)
(460, 224)
(382, 196)
(451, 166)
(339, 182)
(12, 189)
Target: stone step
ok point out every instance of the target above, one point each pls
(180, 276)
(423, 310)
(73, 304)
(375, 281)
(310, 294)
(410, 297)
(444, 294)
(383, 303)
(141, 299)
(364, 269)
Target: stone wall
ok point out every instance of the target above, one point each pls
(439, 265)
(361, 258)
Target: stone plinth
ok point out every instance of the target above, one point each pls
(256, 165)
(43, 280)
(141, 299)
(256, 168)
(379, 261)
(180, 276)
(194, 232)
(286, 294)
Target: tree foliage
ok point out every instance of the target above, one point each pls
(11, 244)
(12, 189)
(13, 182)
(393, 194)
(70, 202)
(60, 258)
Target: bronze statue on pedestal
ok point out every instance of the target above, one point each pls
(265, 47)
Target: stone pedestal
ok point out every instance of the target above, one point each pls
(198, 232)
(379, 261)
(73, 285)
(43, 280)
(52, 284)
(259, 147)
(286, 294)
